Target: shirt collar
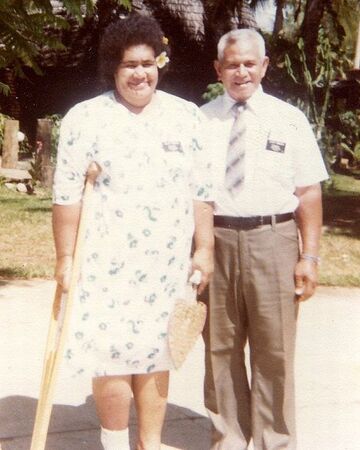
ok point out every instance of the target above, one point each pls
(253, 103)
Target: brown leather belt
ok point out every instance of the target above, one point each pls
(248, 223)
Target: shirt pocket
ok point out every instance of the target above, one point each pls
(275, 161)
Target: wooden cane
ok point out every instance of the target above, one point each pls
(59, 323)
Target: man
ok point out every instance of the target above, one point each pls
(270, 169)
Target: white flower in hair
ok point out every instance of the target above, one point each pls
(162, 60)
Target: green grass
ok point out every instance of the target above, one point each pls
(27, 250)
(26, 246)
(340, 243)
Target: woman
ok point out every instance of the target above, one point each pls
(151, 191)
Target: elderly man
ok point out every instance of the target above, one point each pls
(270, 168)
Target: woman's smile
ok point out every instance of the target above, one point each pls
(136, 77)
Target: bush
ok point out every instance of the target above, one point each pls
(213, 90)
(55, 131)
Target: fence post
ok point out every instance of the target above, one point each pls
(43, 145)
(357, 50)
(11, 145)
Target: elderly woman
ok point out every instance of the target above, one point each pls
(150, 200)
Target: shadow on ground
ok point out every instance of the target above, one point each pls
(343, 213)
(8, 273)
(77, 427)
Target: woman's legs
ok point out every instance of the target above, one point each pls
(112, 398)
(150, 395)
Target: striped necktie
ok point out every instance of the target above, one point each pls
(235, 161)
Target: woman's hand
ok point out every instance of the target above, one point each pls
(203, 260)
(63, 271)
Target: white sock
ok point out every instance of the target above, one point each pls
(115, 440)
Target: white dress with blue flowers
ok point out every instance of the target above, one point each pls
(138, 239)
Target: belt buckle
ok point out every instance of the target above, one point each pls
(261, 221)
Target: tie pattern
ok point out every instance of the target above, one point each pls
(235, 161)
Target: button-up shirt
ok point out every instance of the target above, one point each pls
(281, 155)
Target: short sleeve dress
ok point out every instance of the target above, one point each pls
(139, 234)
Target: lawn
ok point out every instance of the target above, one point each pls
(340, 246)
(27, 251)
(26, 247)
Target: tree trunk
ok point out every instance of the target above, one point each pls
(314, 11)
(279, 17)
(225, 15)
(245, 15)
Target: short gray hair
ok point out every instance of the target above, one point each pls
(240, 35)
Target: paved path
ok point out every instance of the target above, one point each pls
(328, 378)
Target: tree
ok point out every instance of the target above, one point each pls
(279, 17)
(29, 27)
(224, 15)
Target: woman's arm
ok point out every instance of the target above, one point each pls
(203, 258)
(65, 225)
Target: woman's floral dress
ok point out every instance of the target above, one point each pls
(139, 235)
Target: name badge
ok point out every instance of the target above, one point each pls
(275, 146)
(173, 146)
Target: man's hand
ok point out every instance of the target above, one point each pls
(203, 260)
(309, 220)
(306, 276)
(63, 271)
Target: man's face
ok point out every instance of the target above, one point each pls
(241, 69)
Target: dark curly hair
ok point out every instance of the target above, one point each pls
(135, 29)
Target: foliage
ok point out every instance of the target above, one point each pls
(22, 35)
(308, 85)
(213, 90)
(4, 89)
(27, 27)
(317, 86)
(55, 132)
(345, 137)
(35, 168)
(36, 165)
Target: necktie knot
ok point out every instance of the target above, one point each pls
(238, 108)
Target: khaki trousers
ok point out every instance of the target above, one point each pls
(251, 297)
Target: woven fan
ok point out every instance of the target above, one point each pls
(186, 323)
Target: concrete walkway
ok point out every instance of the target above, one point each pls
(328, 378)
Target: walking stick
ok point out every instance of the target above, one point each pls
(59, 323)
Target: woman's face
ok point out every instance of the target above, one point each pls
(136, 77)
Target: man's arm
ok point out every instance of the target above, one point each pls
(65, 225)
(203, 258)
(309, 219)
